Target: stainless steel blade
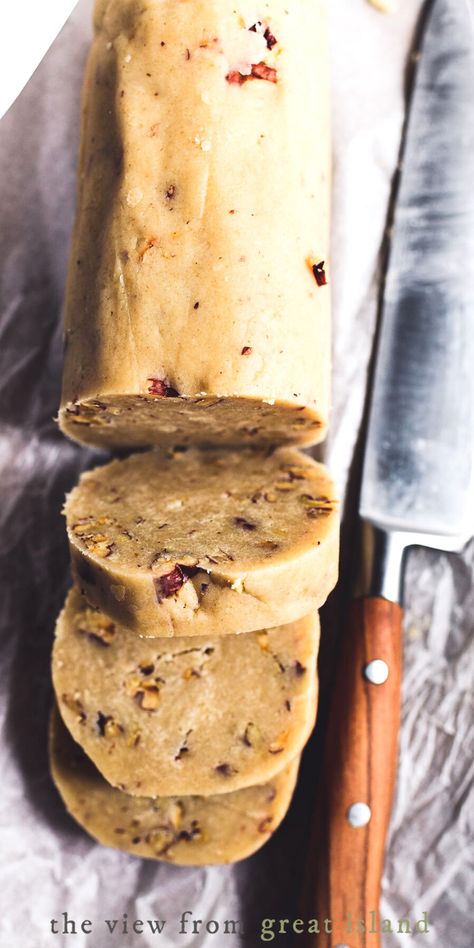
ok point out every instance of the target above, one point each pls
(418, 471)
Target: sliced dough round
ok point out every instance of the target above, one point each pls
(138, 421)
(198, 543)
(188, 831)
(184, 716)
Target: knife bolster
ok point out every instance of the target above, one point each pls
(381, 563)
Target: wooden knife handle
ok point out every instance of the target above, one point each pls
(360, 764)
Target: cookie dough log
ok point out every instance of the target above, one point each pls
(184, 716)
(194, 310)
(205, 542)
(187, 831)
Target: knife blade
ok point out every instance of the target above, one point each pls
(417, 485)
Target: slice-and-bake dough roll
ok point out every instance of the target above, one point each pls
(184, 716)
(197, 310)
(187, 831)
(205, 542)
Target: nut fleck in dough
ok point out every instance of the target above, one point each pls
(197, 309)
(188, 831)
(185, 716)
(201, 543)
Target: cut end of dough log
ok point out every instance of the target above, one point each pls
(137, 421)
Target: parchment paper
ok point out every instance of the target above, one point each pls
(48, 865)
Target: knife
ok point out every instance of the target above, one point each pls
(28, 29)
(417, 484)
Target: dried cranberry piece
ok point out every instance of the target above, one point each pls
(267, 35)
(236, 78)
(262, 71)
(170, 583)
(319, 273)
(270, 38)
(259, 71)
(161, 388)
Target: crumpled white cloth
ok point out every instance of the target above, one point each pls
(48, 865)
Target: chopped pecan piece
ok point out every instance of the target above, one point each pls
(191, 673)
(278, 745)
(245, 524)
(145, 244)
(160, 839)
(184, 749)
(317, 503)
(194, 832)
(107, 726)
(98, 628)
(269, 545)
(97, 543)
(226, 770)
(145, 692)
(176, 814)
(134, 738)
(74, 703)
(297, 473)
(148, 697)
(181, 752)
(262, 639)
(251, 735)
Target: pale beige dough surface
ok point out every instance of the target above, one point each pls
(184, 716)
(213, 542)
(187, 831)
(192, 310)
